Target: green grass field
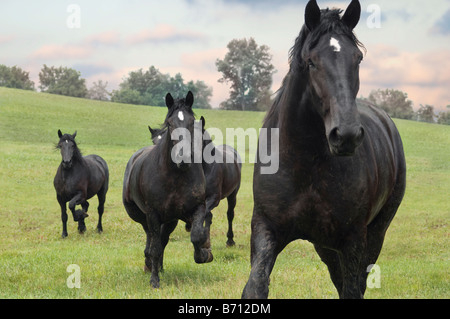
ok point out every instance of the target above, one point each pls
(34, 258)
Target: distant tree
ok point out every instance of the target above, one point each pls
(444, 117)
(425, 113)
(394, 102)
(63, 81)
(248, 68)
(150, 88)
(202, 94)
(98, 91)
(15, 77)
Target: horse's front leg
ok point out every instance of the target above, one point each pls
(78, 199)
(153, 249)
(64, 217)
(81, 224)
(200, 236)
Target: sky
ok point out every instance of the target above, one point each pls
(407, 42)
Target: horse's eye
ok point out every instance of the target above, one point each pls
(311, 65)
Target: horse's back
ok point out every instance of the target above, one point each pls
(98, 174)
(130, 166)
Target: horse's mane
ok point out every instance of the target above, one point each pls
(330, 21)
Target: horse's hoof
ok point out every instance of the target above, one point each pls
(231, 243)
(64, 235)
(205, 256)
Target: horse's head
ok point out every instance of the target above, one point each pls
(68, 148)
(156, 134)
(332, 57)
(180, 122)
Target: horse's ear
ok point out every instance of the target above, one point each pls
(74, 135)
(312, 15)
(352, 14)
(60, 134)
(202, 119)
(169, 100)
(189, 99)
(152, 131)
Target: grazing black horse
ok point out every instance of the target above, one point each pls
(78, 179)
(342, 169)
(159, 189)
(223, 176)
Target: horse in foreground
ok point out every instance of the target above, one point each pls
(222, 172)
(78, 179)
(162, 184)
(342, 168)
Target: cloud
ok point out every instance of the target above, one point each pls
(423, 75)
(165, 33)
(442, 26)
(56, 51)
(104, 38)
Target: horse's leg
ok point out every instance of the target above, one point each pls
(376, 232)
(166, 230)
(230, 215)
(154, 250)
(264, 252)
(351, 257)
(101, 207)
(77, 200)
(64, 217)
(211, 203)
(81, 224)
(199, 237)
(331, 259)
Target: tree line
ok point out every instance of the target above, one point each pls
(246, 67)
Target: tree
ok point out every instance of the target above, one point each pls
(63, 81)
(15, 77)
(394, 102)
(425, 113)
(444, 117)
(150, 88)
(248, 68)
(98, 91)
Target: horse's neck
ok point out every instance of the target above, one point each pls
(301, 128)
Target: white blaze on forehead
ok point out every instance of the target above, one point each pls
(335, 44)
(67, 141)
(181, 116)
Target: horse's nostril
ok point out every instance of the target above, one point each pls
(334, 136)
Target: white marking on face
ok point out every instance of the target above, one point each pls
(335, 44)
(67, 141)
(181, 116)
(159, 137)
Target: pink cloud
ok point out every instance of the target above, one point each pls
(108, 38)
(55, 51)
(423, 76)
(165, 33)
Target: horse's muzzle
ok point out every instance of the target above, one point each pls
(345, 141)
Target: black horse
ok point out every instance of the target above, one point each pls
(223, 178)
(342, 169)
(78, 179)
(222, 173)
(163, 184)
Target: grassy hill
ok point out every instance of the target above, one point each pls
(33, 258)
